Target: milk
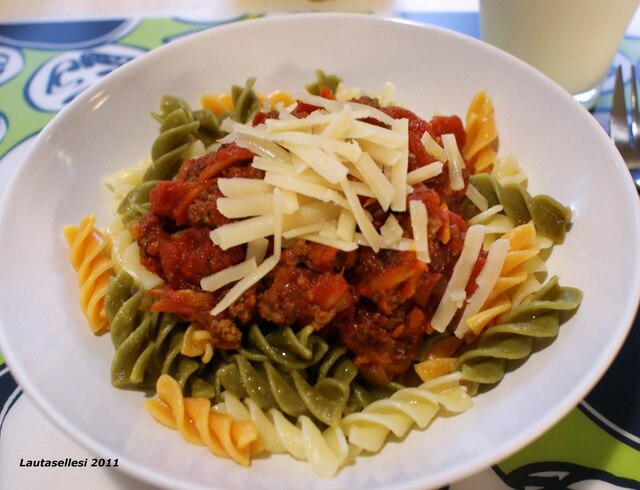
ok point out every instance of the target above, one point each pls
(572, 41)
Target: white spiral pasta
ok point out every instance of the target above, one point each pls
(326, 451)
(397, 414)
(122, 181)
(125, 254)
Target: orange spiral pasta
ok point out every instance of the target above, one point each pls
(193, 418)
(90, 259)
(481, 132)
(223, 103)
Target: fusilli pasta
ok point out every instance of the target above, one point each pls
(479, 149)
(549, 216)
(295, 372)
(89, 258)
(198, 424)
(326, 450)
(147, 344)
(370, 428)
(373, 232)
(540, 317)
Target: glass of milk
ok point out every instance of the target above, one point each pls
(571, 41)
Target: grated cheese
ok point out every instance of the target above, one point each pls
(306, 188)
(375, 178)
(262, 147)
(226, 276)
(346, 227)
(312, 213)
(486, 280)
(382, 155)
(399, 170)
(376, 134)
(318, 171)
(342, 122)
(455, 290)
(303, 230)
(314, 119)
(391, 231)
(386, 94)
(456, 163)
(332, 242)
(419, 221)
(238, 186)
(240, 232)
(366, 227)
(432, 147)
(322, 162)
(486, 214)
(257, 249)
(424, 173)
(243, 284)
(278, 206)
(477, 198)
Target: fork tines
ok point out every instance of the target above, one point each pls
(625, 135)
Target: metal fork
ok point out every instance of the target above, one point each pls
(625, 135)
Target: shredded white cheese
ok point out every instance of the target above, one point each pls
(332, 242)
(228, 275)
(243, 284)
(391, 231)
(486, 214)
(346, 226)
(240, 232)
(455, 290)
(366, 227)
(262, 147)
(399, 170)
(257, 249)
(278, 207)
(424, 173)
(477, 198)
(319, 170)
(419, 221)
(456, 163)
(373, 176)
(254, 205)
(238, 186)
(432, 147)
(485, 281)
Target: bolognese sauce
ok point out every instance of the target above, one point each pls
(378, 304)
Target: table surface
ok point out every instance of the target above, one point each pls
(597, 445)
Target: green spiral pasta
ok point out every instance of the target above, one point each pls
(323, 80)
(295, 372)
(147, 344)
(136, 202)
(538, 318)
(177, 129)
(209, 129)
(245, 101)
(550, 218)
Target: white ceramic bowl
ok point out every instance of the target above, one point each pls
(65, 369)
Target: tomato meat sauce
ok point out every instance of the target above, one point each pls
(377, 304)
